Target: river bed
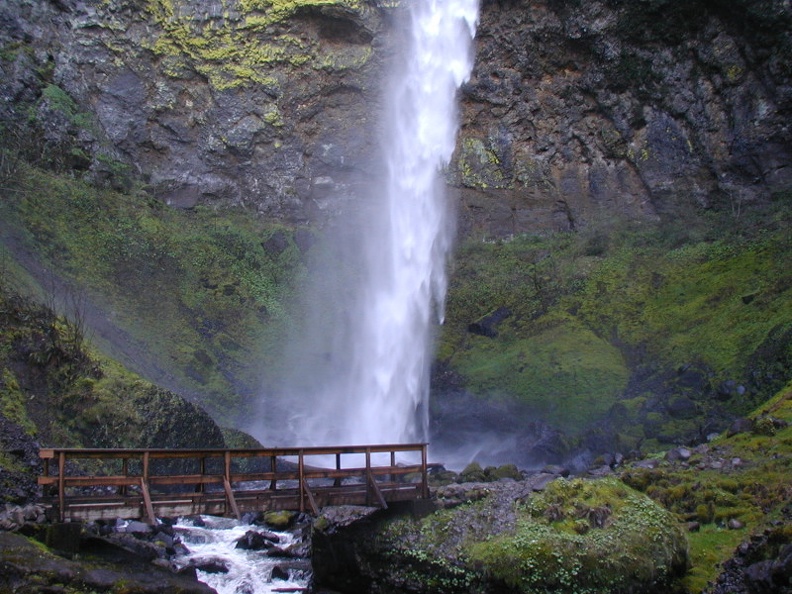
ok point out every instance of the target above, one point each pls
(212, 541)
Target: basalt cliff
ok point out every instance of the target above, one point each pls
(576, 109)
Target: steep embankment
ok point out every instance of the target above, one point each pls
(193, 300)
(55, 392)
(725, 528)
(623, 337)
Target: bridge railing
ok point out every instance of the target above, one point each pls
(73, 477)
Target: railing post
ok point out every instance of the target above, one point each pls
(424, 473)
(337, 482)
(273, 469)
(227, 486)
(202, 472)
(392, 477)
(301, 478)
(144, 487)
(369, 478)
(125, 471)
(146, 467)
(62, 485)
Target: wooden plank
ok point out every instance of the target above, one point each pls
(147, 499)
(310, 497)
(373, 484)
(231, 501)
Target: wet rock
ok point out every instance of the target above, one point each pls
(279, 573)
(647, 463)
(20, 559)
(682, 408)
(543, 443)
(761, 565)
(488, 325)
(540, 481)
(741, 425)
(280, 520)
(678, 454)
(556, 469)
(729, 389)
(254, 540)
(135, 527)
(599, 471)
(18, 483)
(214, 565)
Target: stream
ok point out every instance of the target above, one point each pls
(212, 541)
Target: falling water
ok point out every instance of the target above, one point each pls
(360, 370)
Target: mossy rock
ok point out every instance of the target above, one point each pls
(577, 536)
(587, 536)
(565, 374)
(473, 473)
(279, 520)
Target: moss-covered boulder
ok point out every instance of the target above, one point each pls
(576, 536)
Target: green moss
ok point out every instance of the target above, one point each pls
(708, 548)
(588, 308)
(280, 519)
(565, 373)
(57, 99)
(688, 304)
(630, 541)
(229, 299)
(13, 402)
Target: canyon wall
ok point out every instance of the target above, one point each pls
(577, 110)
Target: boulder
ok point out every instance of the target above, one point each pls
(488, 325)
(254, 540)
(626, 542)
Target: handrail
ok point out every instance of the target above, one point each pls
(144, 476)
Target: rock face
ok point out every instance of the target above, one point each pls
(240, 103)
(576, 110)
(23, 563)
(582, 110)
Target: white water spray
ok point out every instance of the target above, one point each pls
(362, 375)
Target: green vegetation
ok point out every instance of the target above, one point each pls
(588, 310)
(201, 294)
(742, 477)
(586, 536)
(580, 536)
(57, 99)
(60, 392)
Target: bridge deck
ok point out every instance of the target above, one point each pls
(93, 484)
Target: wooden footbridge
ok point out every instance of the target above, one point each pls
(94, 484)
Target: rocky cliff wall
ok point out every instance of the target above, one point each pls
(583, 109)
(261, 104)
(577, 110)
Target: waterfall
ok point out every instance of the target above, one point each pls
(360, 369)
